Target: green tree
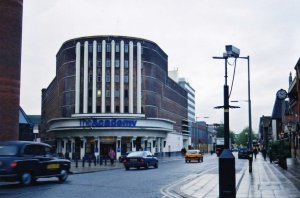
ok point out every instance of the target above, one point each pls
(220, 133)
(243, 137)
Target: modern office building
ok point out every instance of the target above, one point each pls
(113, 92)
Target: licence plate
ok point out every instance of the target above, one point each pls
(52, 166)
(133, 160)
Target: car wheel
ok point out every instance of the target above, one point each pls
(198, 160)
(63, 175)
(26, 179)
(156, 165)
(147, 165)
(202, 160)
(138, 167)
(189, 161)
(127, 168)
(186, 161)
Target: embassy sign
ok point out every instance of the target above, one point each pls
(94, 122)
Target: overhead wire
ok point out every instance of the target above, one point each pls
(232, 76)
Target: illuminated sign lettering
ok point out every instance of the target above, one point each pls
(107, 123)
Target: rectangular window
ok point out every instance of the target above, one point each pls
(117, 93)
(90, 63)
(99, 64)
(107, 93)
(126, 109)
(126, 63)
(126, 93)
(107, 78)
(117, 78)
(126, 79)
(117, 63)
(90, 78)
(108, 47)
(99, 47)
(107, 108)
(99, 79)
(107, 63)
(90, 48)
(117, 48)
(117, 109)
(126, 48)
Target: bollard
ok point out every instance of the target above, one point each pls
(83, 160)
(227, 175)
(76, 162)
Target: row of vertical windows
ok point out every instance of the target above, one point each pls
(108, 63)
(108, 47)
(107, 78)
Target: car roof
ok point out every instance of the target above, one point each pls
(22, 143)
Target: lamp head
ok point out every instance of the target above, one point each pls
(232, 51)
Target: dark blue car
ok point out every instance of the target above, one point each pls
(140, 159)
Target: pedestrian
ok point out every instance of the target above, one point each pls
(183, 151)
(111, 156)
(271, 155)
(255, 152)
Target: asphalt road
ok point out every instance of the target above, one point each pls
(120, 183)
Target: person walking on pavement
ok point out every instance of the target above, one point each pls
(111, 156)
(264, 152)
(255, 152)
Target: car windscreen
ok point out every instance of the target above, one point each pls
(8, 150)
(192, 152)
(136, 154)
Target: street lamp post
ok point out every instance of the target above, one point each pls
(226, 159)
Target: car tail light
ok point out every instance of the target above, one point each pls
(124, 161)
(13, 164)
(142, 160)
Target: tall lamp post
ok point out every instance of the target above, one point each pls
(226, 159)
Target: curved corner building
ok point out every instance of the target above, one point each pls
(113, 92)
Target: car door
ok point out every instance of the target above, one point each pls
(47, 163)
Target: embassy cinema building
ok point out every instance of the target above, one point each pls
(113, 92)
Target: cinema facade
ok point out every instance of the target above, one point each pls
(113, 92)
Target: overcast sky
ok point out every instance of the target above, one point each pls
(191, 32)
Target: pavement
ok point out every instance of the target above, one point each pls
(266, 180)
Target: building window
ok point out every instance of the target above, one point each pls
(126, 93)
(107, 63)
(126, 79)
(99, 64)
(117, 78)
(99, 47)
(117, 93)
(98, 108)
(90, 78)
(126, 109)
(107, 93)
(117, 63)
(108, 47)
(126, 48)
(107, 108)
(99, 79)
(117, 109)
(90, 63)
(107, 79)
(126, 63)
(117, 48)
(98, 93)
(90, 48)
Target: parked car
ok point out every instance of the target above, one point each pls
(243, 153)
(140, 159)
(193, 155)
(26, 161)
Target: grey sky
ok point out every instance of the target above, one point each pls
(189, 31)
